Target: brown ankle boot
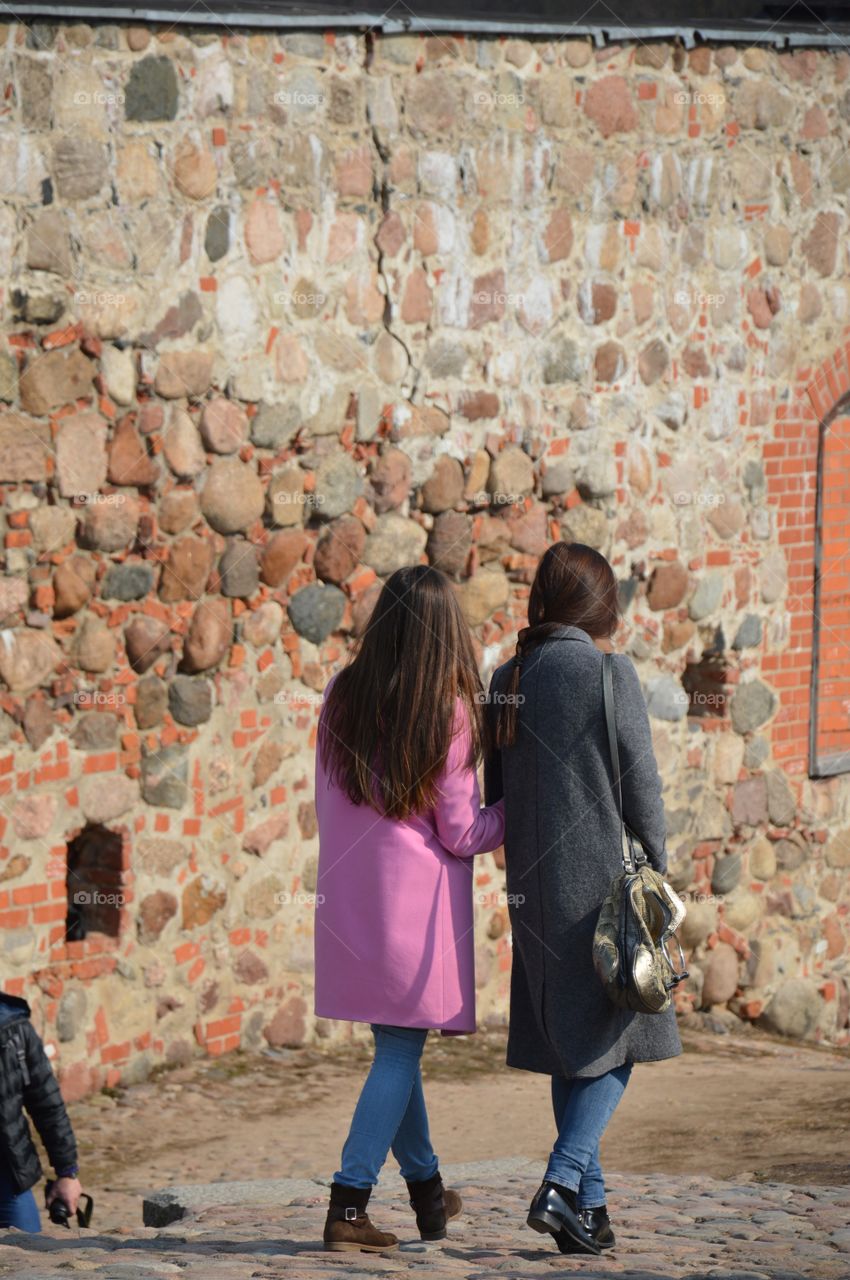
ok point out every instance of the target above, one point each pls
(433, 1205)
(347, 1226)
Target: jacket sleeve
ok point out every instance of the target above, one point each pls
(643, 806)
(45, 1105)
(463, 826)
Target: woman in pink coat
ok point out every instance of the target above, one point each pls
(400, 818)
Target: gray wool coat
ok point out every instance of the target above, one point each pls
(562, 850)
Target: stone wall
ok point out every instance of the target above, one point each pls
(283, 312)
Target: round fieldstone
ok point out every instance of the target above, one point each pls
(390, 358)
(585, 524)
(707, 596)
(224, 425)
(595, 471)
(338, 486)
(155, 911)
(749, 801)
(286, 500)
(151, 702)
(95, 731)
(146, 639)
(666, 699)
(81, 456)
(110, 522)
(232, 497)
(79, 167)
(394, 543)
(667, 586)
(315, 611)
(390, 479)
(73, 583)
(182, 445)
(698, 923)
(281, 554)
(178, 510)
(756, 751)
(131, 580)
(749, 632)
(239, 569)
(217, 236)
(52, 528)
(183, 374)
(262, 625)
(186, 571)
(209, 636)
(795, 1009)
(762, 859)
(194, 169)
(444, 487)
(837, 850)
(752, 705)
(151, 92)
(530, 531)
(165, 776)
(720, 980)
(781, 805)
(27, 658)
(511, 476)
(562, 361)
(273, 425)
(557, 479)
(482, 595)
(190, 699)
(450, 542)
(726, 874)
(129, 461)
(609, 362)
(71, 1013)
(653, 363)
(791, 853)
(94, 645)
(340, 549)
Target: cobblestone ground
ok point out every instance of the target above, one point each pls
(667, 1227)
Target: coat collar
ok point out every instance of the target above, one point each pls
(566, 632)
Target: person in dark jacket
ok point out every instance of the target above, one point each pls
(27, 1083)
(552, 765)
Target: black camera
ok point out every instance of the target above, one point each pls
(61, 1214)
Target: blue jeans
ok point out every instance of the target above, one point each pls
(390, 1113)
(17, 1208)
(583, 1106)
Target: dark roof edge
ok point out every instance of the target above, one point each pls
(743, 33)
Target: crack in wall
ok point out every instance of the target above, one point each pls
(382, 190)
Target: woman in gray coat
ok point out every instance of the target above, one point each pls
(552, 764)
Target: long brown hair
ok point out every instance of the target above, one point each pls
(388, 720)
(574, 586)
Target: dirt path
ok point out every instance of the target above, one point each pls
(733, 1107)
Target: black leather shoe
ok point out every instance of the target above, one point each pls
(554, 1209)
(597, 1224)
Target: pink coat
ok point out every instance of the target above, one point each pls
(394, 929)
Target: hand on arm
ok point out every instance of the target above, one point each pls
(463, 826)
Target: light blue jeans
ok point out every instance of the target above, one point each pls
(390, 1113)
(17, 1208)
(583, 1106)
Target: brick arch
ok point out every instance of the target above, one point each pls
(805, 490)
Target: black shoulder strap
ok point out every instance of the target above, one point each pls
(626, 848)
